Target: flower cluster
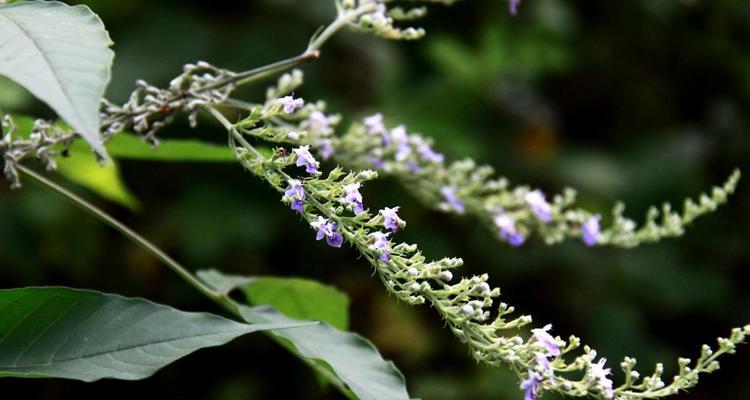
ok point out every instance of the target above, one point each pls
(514, 213)
(150, 108)
(334, 207)
(381, 20)
(45, 142)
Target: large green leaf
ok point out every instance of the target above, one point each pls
(301, 299)
(60, 54)
(354, 359)
(345, 358)
(86, 335)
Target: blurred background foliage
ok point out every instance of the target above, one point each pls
(642, 101)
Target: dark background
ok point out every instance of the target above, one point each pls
(643, 101)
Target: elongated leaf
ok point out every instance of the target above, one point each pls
(128, 146)
(60, 54)
(86, 335)
(301, 299)
(342, 357)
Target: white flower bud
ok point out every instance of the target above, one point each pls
(467, 310)
(445, 276)
(412, 272)
(482, 288)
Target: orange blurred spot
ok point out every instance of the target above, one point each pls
(537, 140)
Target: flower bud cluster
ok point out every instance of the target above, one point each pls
(381, 20)
(45, 143)
(338, 212)
(150, 108)
(513, 213)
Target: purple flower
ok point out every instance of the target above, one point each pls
(543, 362)
(325, 148)
(539, 206)
(319, 122)
(599, 374)
(291, 104)
(382, 245)
(295, 193)
(374, 124)
(327, 229)
(354, 198)
(391, 219)
(375, 161)
(401, 138)
(413, 167)
(508, 231)
(427, 154)
(513, 6)
(591, 230)
(304, 158)
(531, 385)
(546, 340)
(449, 194)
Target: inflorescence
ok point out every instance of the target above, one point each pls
(333, 206)
(336, 211)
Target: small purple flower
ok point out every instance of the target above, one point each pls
(304, 158)
(401, 138)
(543, 362)
(399, 135)
(599, 374)
(539, 206)
(427, 154)
(451, 198)
(291, 104)
(412, 167)
(375, 161)
(546, 340)
(391, 219)
(382, 245)
(319, 122)
(295, 193)
(327, 229)
(508, 231)
(591, 230)
(513, 6)
(325, 148)
(374, 124)
(531, 385)
(354, 198)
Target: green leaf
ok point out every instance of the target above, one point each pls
(87, 336)
(348, 360)
(104, 179)
(301, 299)
(61, 55)
(354, 359)
(129, 146)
